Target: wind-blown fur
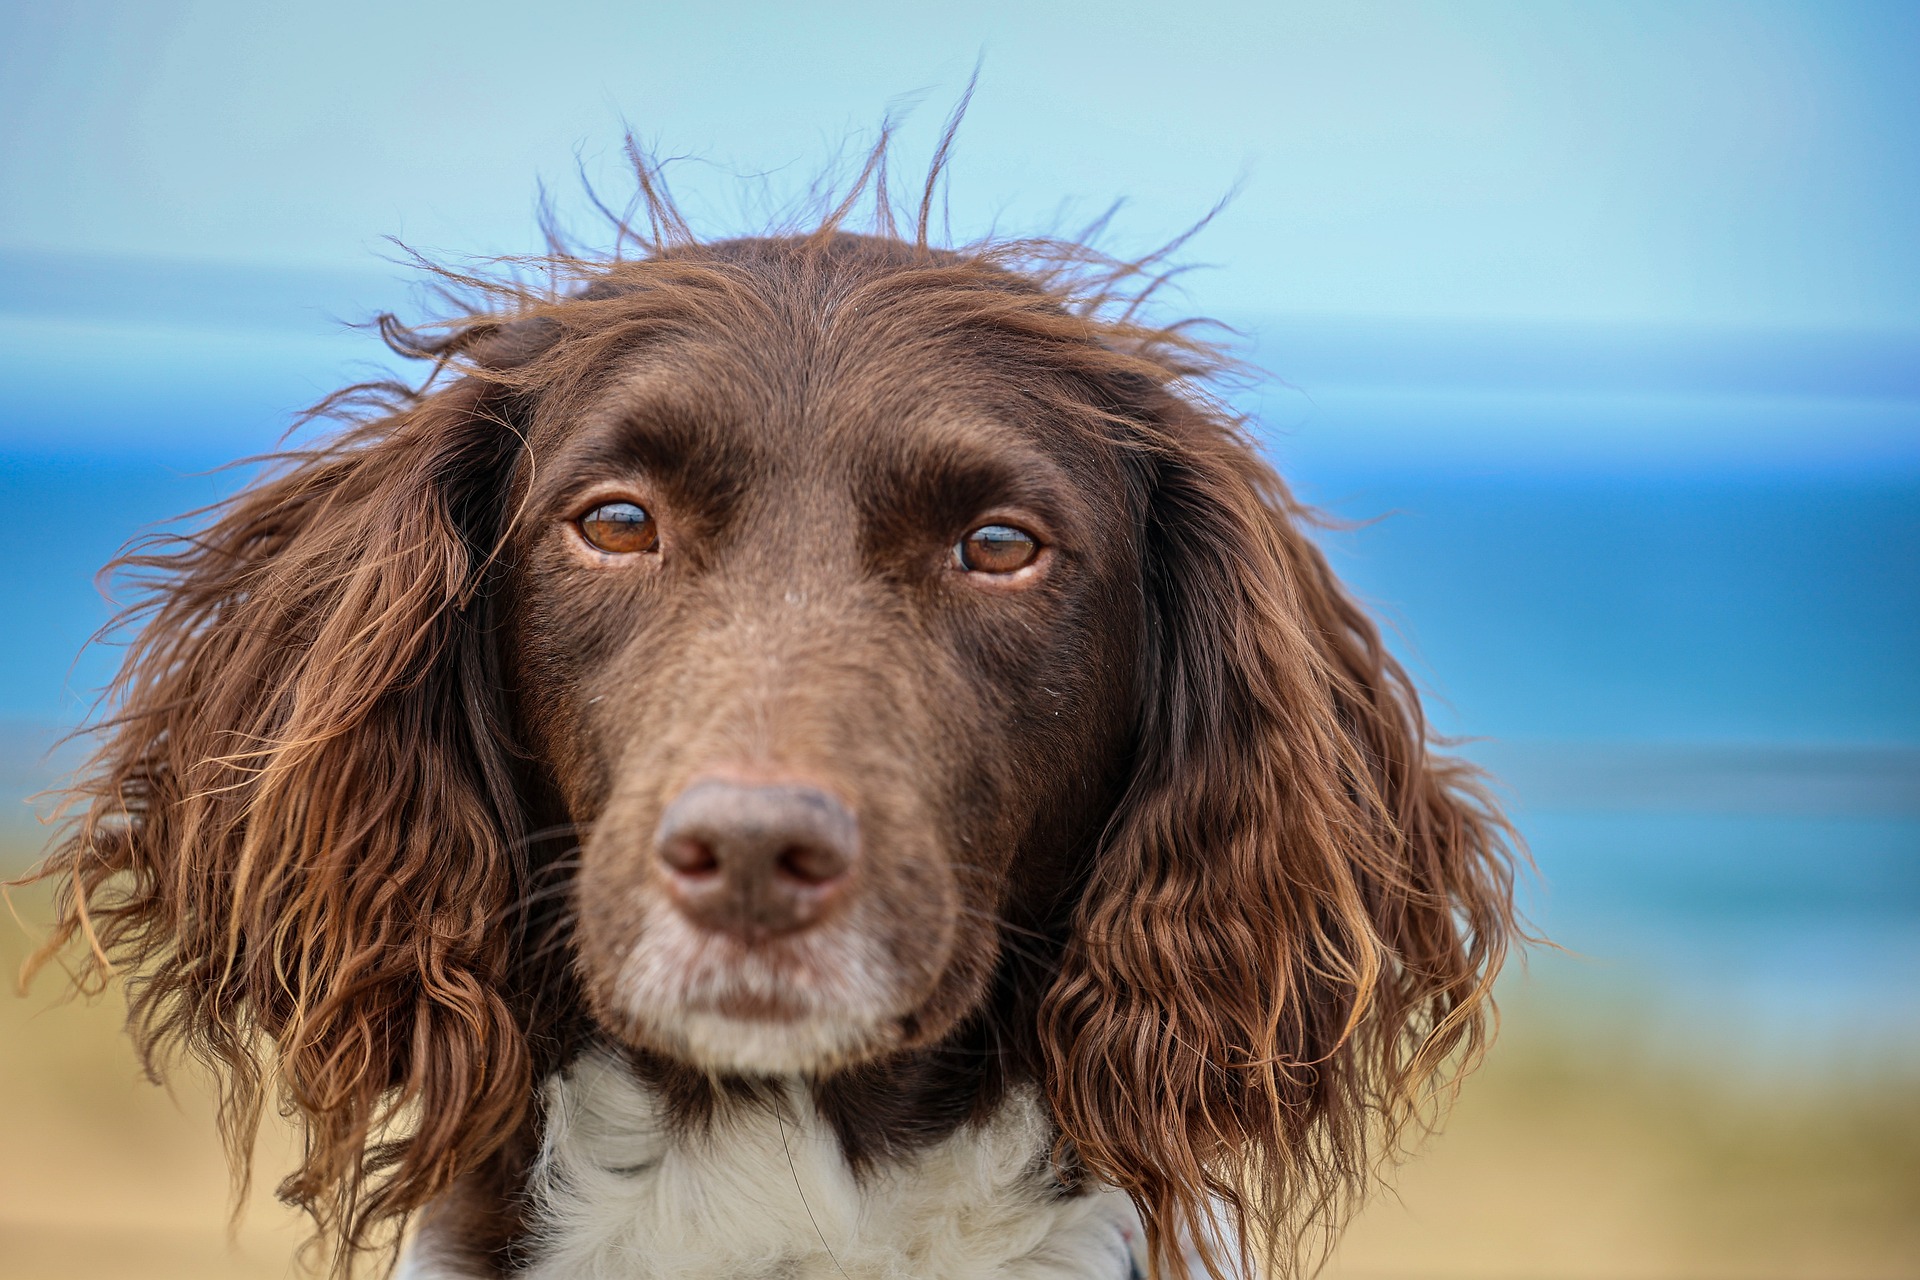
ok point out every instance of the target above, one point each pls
(1231, 916)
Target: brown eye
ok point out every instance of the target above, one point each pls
(996, 548)
(620, 528)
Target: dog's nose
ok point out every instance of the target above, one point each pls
(756, 860)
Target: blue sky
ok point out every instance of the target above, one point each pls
(1720, 164)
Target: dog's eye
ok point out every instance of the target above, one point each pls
(621, 528)
(996, 548)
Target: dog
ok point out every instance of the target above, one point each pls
(808, 755)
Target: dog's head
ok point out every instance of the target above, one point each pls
(900, 640)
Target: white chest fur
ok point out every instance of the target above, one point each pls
(768, 1196)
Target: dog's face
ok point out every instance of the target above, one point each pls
(832, 651)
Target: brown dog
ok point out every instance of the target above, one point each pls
(989, 839)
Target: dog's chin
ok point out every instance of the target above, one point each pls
(744, 1036)
(726, 1044)
(804, 1005)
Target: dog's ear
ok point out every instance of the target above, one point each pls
(1293, 921)
(299, 831)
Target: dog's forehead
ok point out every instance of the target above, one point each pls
(819, 391)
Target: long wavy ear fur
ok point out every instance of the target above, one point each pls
(1297, 913)
(296, 832)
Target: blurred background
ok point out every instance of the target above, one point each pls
(1598, 323)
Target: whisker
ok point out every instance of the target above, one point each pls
(1006, 925)
(531, 838)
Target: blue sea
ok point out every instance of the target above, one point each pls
(1664, 584)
